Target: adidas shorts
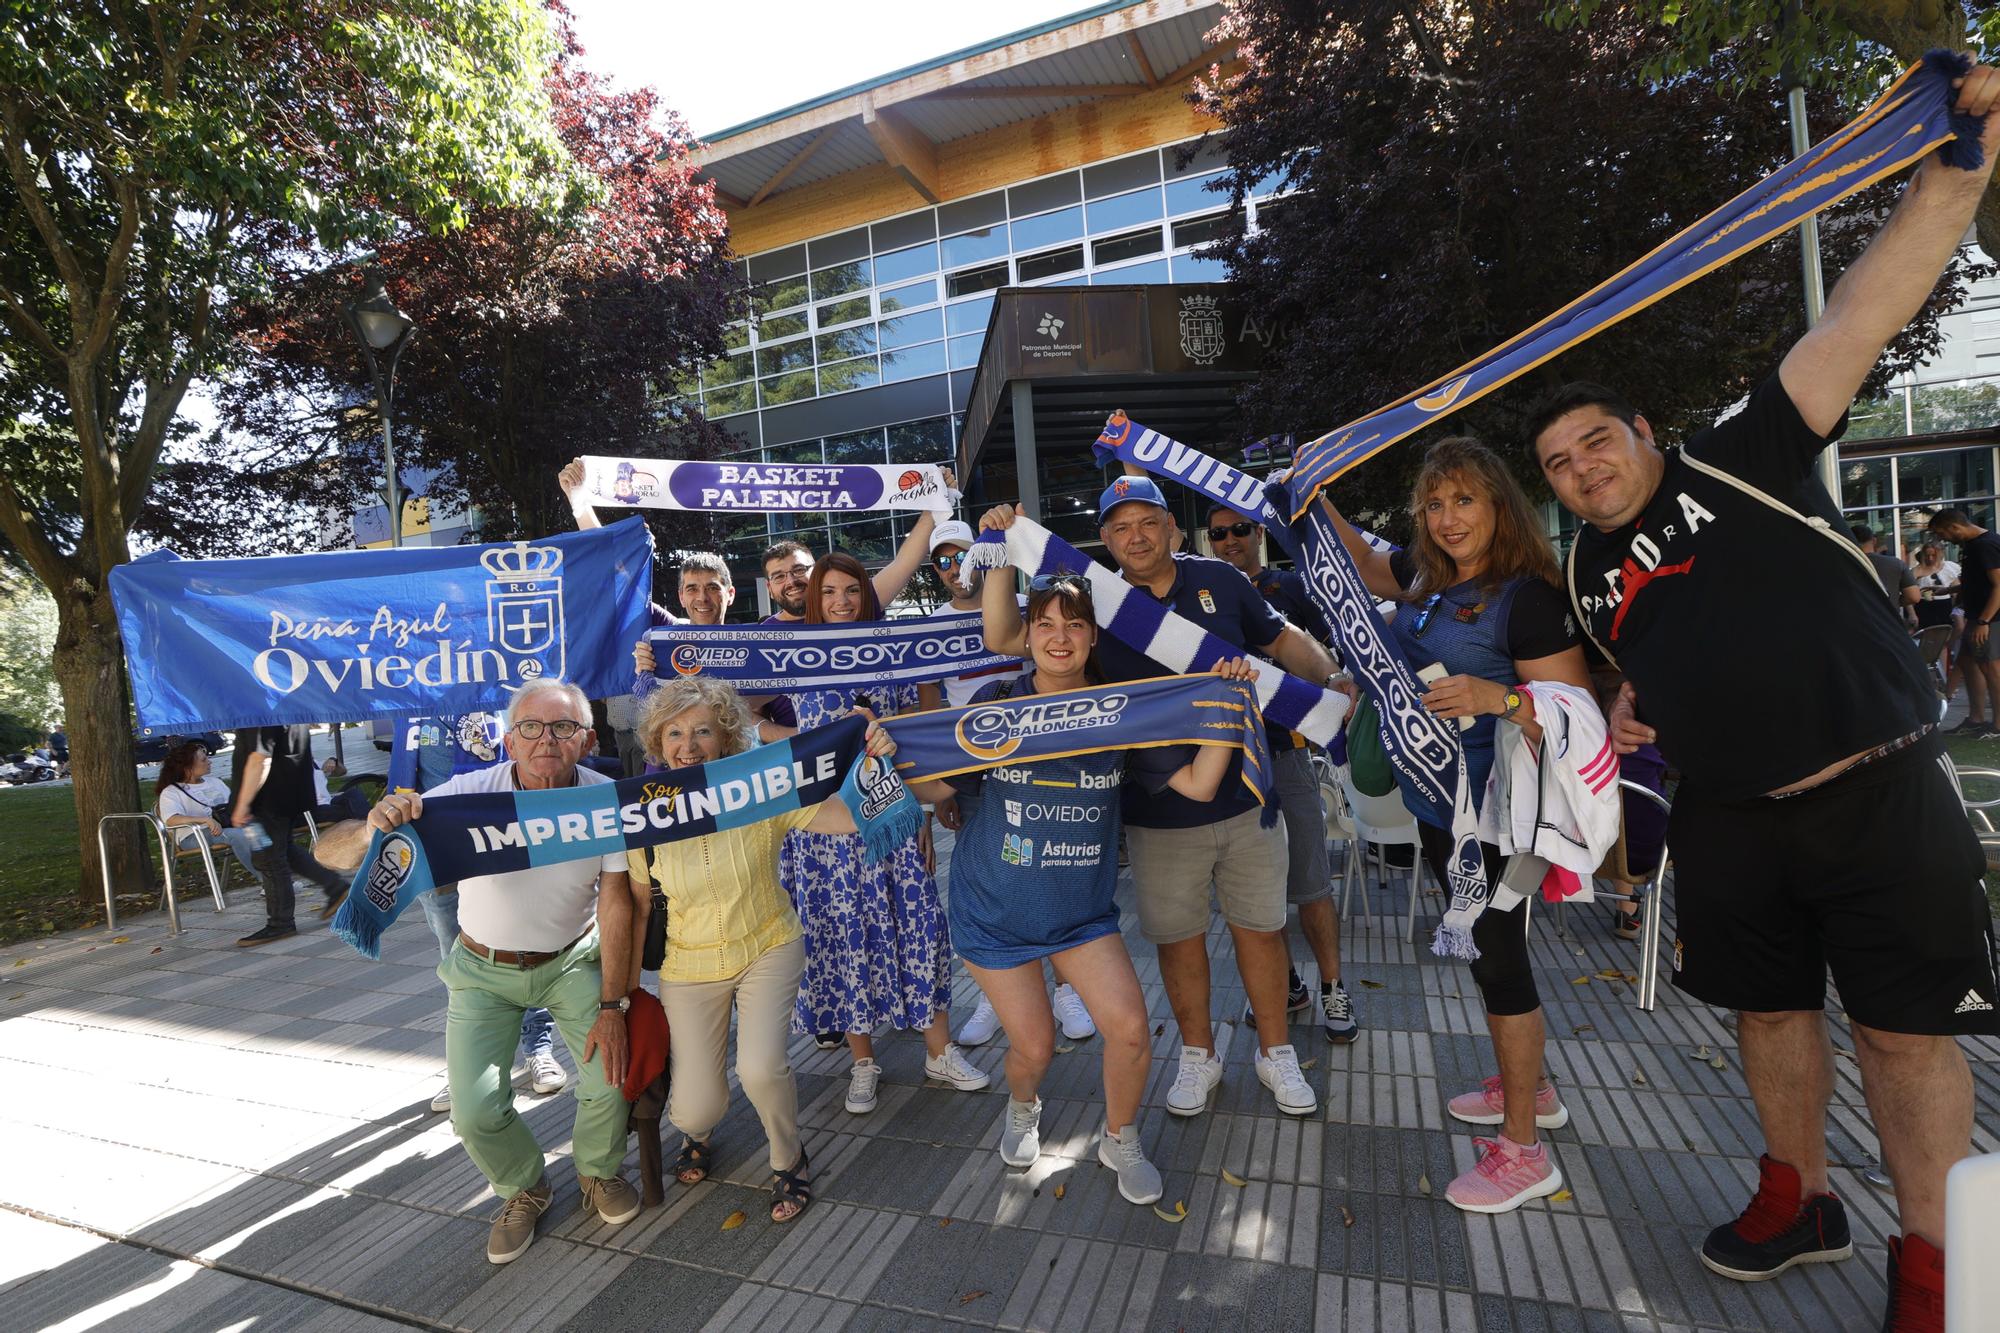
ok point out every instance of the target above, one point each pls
(1875, 875)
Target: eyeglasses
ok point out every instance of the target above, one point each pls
(1233, 530)
(946, 562)
(1043, 582)
(1424, 616)
(562, 730)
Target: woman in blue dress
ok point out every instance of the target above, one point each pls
(1032, 875)
(877, 950)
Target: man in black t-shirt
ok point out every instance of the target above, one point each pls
(1818, 823)
(1979, 596)
(1899, 585)
(274, 787)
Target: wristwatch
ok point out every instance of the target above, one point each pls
(1514, 702)
(622, 1004)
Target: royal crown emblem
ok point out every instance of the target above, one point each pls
(524, 606)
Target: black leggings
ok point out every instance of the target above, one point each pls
(1506, 982)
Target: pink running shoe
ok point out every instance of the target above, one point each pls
(1488, 1106)
(1507, 1176)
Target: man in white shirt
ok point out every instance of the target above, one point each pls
(534, 939)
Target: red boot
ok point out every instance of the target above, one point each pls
(1916, 1287)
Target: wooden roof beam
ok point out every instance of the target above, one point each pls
(1138, 51)
(1214, 55)
(905, 148)
(798, 160)
(1016, 92)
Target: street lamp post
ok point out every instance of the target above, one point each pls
(381, 328)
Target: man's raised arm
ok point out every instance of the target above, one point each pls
(1883, 290)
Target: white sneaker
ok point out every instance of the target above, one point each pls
(861, 1082)
(1197, 1076)
(545, 1075)
(1021, 1135)
(442, 1101)
(979, 1028)
(1279, 1071)
(1138, 1179)
(953, 1068)
(1075, 1019)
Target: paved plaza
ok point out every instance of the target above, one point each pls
(202, 1137)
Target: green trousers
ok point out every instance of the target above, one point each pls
(481, 1030)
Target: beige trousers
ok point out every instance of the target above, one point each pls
(698, 1014)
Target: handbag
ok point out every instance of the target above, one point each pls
(655, 952)
(1367, 756)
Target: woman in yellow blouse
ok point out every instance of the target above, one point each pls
(732, 937)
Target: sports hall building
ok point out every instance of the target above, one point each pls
(978, 257)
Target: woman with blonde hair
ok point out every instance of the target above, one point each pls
(1479, 593)
(733, 940)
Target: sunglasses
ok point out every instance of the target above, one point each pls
(1043, 582)
(948, 562)
(1431, 604)
(1233, 530)
(562, 730)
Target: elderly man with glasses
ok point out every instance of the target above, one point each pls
(559, 937)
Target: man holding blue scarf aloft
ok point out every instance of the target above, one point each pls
(558, 937)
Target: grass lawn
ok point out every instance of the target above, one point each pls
(38, 866)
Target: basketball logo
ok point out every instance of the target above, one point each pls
(908, 480)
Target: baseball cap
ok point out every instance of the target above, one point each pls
(1143, 489)
(952, 532)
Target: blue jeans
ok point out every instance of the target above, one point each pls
(538, 1030)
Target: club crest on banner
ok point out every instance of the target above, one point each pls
(1202, 335)
(390, 871)
(524, 604)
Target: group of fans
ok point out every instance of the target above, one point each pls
(1816, 828)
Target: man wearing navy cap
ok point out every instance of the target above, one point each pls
(1182, 849)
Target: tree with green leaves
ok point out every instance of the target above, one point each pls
(30, 704)
(1462, 170)
(162, 160)
(538, 339)
(1850, 48)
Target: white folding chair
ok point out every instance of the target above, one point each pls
(1386, 822)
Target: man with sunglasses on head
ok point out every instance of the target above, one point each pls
(1309, 876)
(560, 937)
(1182, 849)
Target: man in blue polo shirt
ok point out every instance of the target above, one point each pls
(1239, 539)
(1182, 849)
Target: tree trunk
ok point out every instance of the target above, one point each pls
(90, 668)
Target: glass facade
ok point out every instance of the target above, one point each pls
(908, 296)
(1896, 494)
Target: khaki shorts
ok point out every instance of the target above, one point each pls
(1173, 869)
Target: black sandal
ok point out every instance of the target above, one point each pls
(697, 1157)
(788, 1187)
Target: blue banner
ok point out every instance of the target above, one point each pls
(357, 635)
(491, 833)
(763, 658)
(1909, 121)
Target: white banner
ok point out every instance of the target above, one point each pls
(765, 488)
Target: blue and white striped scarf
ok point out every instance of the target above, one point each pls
(1138, 619)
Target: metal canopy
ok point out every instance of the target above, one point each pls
(1058, 360)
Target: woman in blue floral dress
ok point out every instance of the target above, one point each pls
(877, 950)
